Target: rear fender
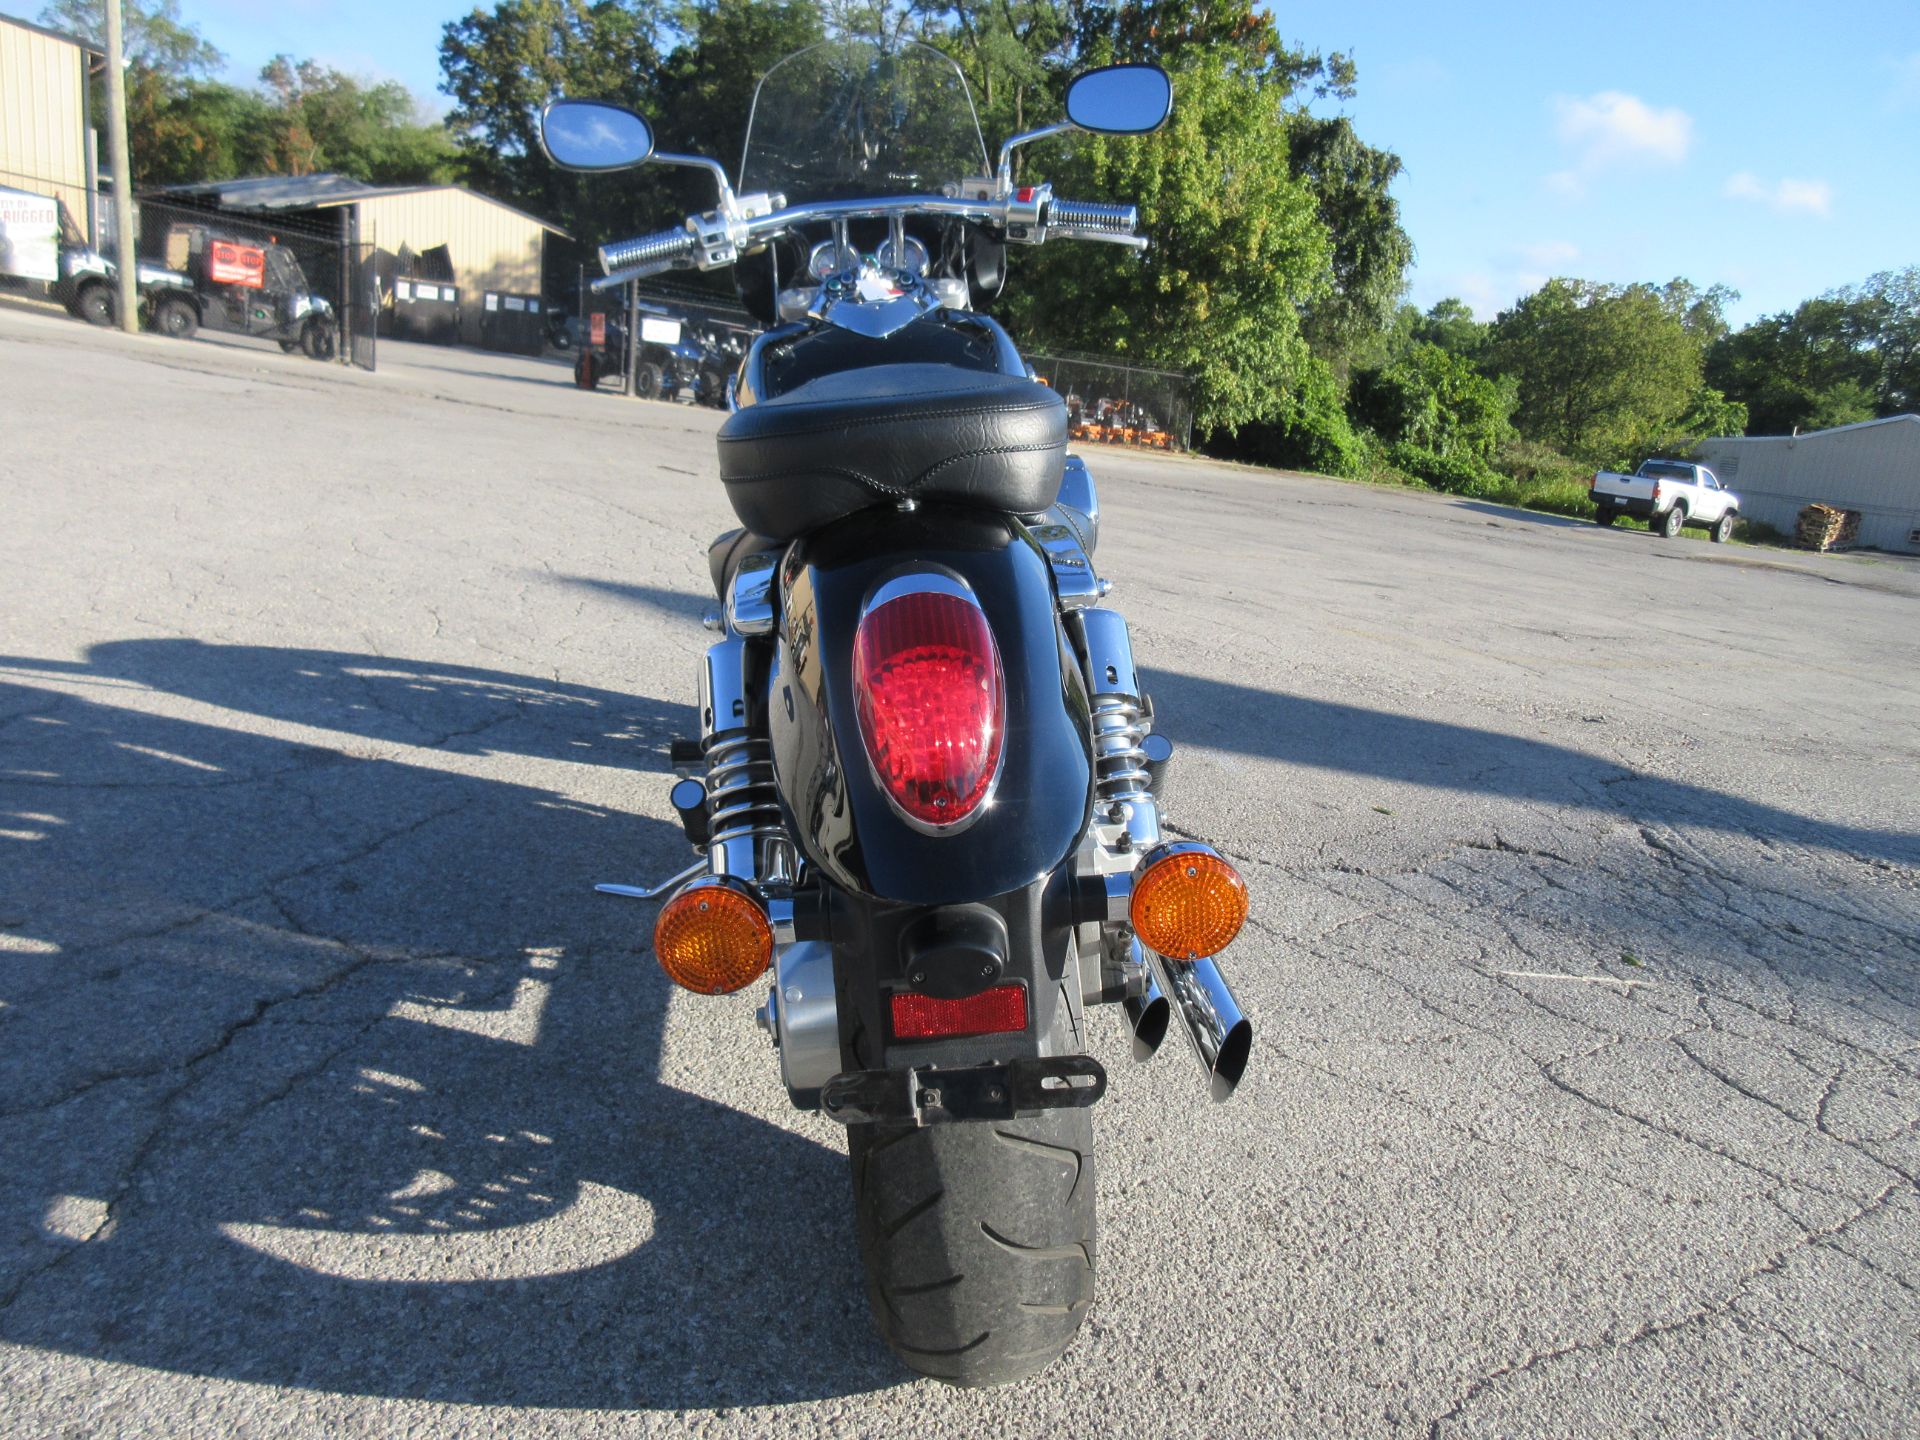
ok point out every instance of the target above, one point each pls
(839, 816)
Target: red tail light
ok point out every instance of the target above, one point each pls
(932, 703)
(991, 1012)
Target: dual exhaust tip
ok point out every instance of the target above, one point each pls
(1217, 1030)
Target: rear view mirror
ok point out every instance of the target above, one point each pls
(594, 135)
(1121, 99)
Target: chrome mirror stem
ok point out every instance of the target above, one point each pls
(729, 206)
(1004, 174)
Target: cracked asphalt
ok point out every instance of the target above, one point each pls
(1586, 874)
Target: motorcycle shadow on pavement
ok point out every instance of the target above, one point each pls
(326, 1069)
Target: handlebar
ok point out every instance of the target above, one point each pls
(1030, 215)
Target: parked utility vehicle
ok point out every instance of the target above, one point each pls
(87, 287)
(1667, 494)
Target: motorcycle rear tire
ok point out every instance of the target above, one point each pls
(978, 1241)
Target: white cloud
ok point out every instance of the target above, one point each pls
(1566, 184)
(1905, 94)
(1783, 197)
(1613, 129)
(1548, 253)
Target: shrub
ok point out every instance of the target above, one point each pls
(1439, 404)
(1457, 474)
(1308, 431)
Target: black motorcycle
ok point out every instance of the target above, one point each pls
(926, 792)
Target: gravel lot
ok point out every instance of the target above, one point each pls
(1586, 872)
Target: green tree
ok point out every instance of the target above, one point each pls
(1238, 249)
(1443, 418)
(168, 62)
(1891, 305)
(321, 120)
(706, 84)
(1814, 366)
(501, 66)
(1015, 55)
(1450, 324)
(1351, 182)
(1603, 371)
(153, 36)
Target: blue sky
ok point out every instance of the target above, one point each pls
(1765, 145)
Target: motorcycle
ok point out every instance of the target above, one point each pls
(927, 793)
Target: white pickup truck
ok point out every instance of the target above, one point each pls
(1666, 494)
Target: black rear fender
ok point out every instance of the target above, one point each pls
(841, 819)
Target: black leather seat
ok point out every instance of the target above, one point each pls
(887, 433)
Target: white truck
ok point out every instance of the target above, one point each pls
(1667, 494)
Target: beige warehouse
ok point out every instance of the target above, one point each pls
(45, 128)
(492, 246)
(1872, 467)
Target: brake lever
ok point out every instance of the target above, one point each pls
(1107, 237)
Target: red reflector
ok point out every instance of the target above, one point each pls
(931, 702)
(991, 1012)
(1024, 194)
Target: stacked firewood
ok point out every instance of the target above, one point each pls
(1822, 527)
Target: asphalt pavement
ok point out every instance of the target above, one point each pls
(1585, 865)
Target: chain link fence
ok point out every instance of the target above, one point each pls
(1109, 403)
(307, 288)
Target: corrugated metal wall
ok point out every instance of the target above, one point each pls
(493, 248)
(43, 129)
(1873, 468)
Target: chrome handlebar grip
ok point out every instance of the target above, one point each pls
(1092, 218)
(661, 248)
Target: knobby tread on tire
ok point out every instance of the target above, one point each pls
(978, 1241)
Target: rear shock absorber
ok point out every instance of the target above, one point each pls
(1122, 726)
(747, 838)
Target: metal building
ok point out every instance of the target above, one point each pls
(46, 130)
(493, 247)
(1872, 467)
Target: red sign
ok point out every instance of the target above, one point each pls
(597, 328)
(230, 264)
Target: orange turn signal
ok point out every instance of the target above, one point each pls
(713, 937)
(1187, 902)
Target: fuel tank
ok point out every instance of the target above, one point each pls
(842, 820)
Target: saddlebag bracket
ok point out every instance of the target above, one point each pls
(930, 1096)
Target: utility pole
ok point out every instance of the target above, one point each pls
(122, 172)
(633, 335)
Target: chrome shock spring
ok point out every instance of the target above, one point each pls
(1120, 729)
(747, 838)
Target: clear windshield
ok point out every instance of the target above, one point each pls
(846, 119)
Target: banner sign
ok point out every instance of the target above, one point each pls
(230, 264)
(29, 235)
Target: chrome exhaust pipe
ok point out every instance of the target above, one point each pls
(1219, 1030)
(1148, 1015)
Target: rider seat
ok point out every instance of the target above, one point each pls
(890, 434)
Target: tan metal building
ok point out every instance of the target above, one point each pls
(46, 132)
(1872, 467)
(492, 246)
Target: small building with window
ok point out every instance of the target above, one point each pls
(1872, 467)
(478, 243)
